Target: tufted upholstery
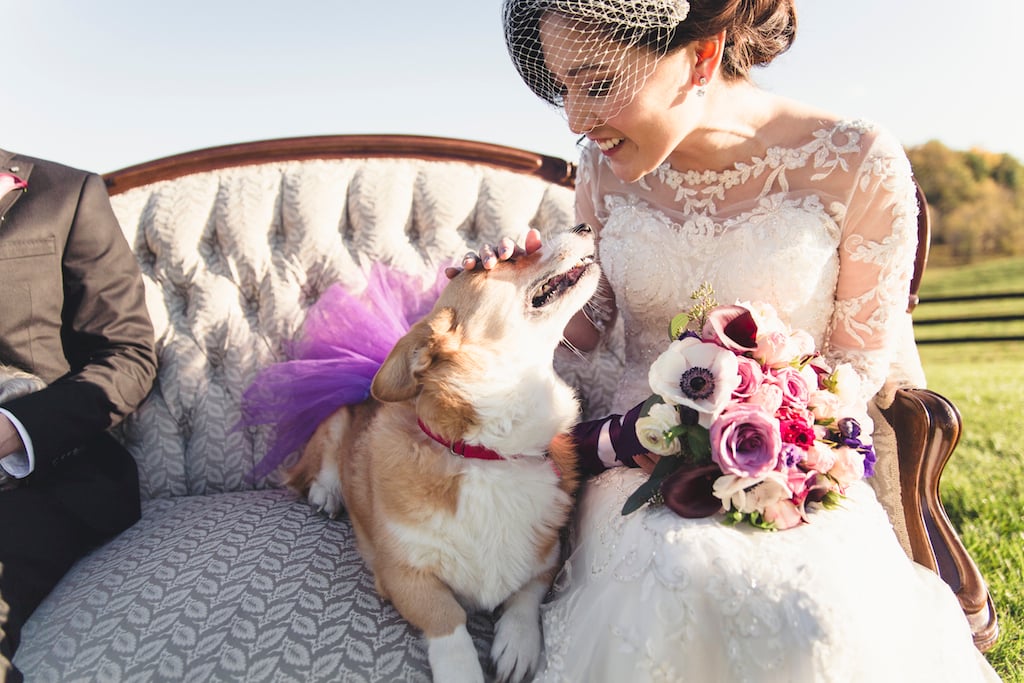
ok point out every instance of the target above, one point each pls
(233, 259)
(223, 578)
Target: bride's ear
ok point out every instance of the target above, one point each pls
(707, 54)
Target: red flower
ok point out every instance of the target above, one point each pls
(795, 428)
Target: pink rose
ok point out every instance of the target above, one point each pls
(799, 483)
(848, 467)
(793, 383)
(802, 344)
(745, 441)
(751, 377)
(823, 404)
(768, 396)
(784, 514)
(820, 457)
(10, 182)
(773, 349)
(732, 327)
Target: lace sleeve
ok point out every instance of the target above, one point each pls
(876, 257)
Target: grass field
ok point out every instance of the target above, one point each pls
(983, 485)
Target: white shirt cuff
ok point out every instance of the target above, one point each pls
(19, 464)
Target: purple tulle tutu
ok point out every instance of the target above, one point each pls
(344, 340)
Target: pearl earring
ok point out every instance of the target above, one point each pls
(702, 87)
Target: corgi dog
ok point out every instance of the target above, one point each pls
(458, 473)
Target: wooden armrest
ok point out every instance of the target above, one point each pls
(927, 427)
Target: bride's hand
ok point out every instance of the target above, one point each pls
(490, 255)
(646, 461)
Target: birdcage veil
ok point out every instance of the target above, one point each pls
(589, 56)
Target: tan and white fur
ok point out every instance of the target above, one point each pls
(440, 532)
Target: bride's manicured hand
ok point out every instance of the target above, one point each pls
(646, 461)
(490, 255)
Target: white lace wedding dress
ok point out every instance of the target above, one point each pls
(825, 230)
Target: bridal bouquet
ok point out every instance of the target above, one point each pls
(749, 419)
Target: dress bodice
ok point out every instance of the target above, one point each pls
(833, 253)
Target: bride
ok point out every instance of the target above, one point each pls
(692, 174)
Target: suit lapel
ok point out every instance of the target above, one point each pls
(12, 163)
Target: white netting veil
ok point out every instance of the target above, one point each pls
(589, 57)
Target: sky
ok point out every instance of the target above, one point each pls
(106, 84)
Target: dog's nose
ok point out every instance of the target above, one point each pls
(582, 228)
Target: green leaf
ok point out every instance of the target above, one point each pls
(832, 500)
(647, 490)
(698, 440)
(756, 519)
(733, 517)
(678, 325)
(652, 400)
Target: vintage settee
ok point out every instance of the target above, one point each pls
(224, 579)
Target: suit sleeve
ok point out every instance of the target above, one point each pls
(106, 333)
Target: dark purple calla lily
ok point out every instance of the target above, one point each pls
(688, 491)
(732, 327)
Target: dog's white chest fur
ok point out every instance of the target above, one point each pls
(504, 511)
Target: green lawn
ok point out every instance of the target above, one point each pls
(983, 485)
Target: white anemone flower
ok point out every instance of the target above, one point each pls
(697, 375)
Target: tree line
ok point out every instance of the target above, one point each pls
(976, 200)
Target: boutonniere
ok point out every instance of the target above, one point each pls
(10, 182)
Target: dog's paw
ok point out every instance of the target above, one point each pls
(326, 498)
(517, 644)
(453, 658)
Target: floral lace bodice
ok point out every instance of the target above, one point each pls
(825, 232)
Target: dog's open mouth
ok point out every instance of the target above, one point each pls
(553, 288)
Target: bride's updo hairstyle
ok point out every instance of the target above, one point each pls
(756, 31)
(608, 32)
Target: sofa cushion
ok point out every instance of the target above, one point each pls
(250, 586)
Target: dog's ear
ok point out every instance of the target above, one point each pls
(398, 379)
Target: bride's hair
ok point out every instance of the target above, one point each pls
(756, 31)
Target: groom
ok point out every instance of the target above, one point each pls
(73, 312)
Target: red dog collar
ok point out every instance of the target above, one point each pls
(461, 447)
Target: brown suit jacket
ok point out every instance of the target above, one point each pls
(72, 306)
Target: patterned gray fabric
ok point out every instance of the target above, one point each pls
(251, 586)
(224, 579)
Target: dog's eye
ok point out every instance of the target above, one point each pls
(582, 229)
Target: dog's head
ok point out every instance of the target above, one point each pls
(480, 363)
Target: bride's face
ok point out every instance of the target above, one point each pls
(632, 106)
